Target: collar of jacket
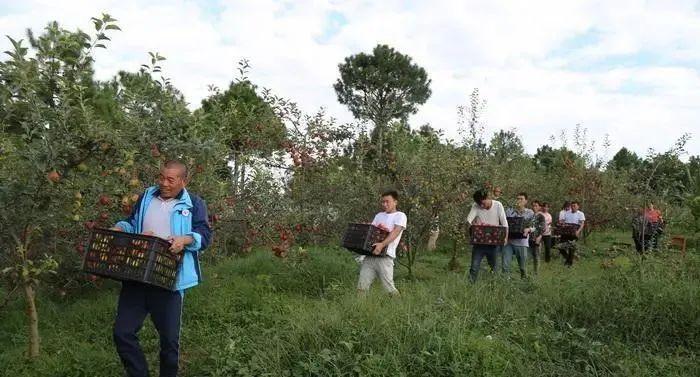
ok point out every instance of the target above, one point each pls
(183, 196)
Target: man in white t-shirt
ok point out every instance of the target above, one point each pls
(568, 248)
(566, 208)
(488, 212)
(382, 266)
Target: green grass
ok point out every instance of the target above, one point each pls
(258, 315)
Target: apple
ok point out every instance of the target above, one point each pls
(155, 152)
(105, 200)
(53, 176)
(89, 224)
(134, 182)
(104, 216)
(78, 195)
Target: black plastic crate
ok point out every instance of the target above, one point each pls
(487, 234)
(646, 228)
(567, 230)
(131, 257)
(359, 238)
(516, 227)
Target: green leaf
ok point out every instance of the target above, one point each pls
(107, 18)
(100, 45)
(102, 36)
(98, 24)
(112, 27)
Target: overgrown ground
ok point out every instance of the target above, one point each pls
(258, 315)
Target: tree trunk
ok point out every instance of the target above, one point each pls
(236, 168)
(242, 183)
(453, 265)
(380, 142)
(33, 320)
(432, 240)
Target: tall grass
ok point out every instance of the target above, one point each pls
(261, 316)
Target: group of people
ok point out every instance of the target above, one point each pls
(536, 232)
(169, 211)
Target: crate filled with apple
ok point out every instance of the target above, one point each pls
(132, 257)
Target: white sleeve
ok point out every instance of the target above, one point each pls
(375, 222)
(502, 216)
(471, 215)
(400, 220)
(582, 217)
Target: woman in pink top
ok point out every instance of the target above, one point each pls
(547, 234)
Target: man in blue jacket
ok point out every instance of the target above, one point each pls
(170, 212)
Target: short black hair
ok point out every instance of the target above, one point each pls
(545, 204)
(575, 202)
(522, 194)
(393, 193)
(536, 202)
(480, 195)
(566, 204)
(177, 164)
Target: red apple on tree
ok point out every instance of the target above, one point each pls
(53, 176)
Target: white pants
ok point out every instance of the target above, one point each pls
(382, 267)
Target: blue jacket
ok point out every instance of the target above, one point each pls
(189, 219)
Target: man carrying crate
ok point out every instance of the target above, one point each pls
(485, 211)
(518, 242)
(573, 218)
(382, 266)
(168, 211)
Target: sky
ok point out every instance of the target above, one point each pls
(626, 69)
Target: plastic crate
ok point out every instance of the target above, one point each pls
(131, 257)
(567, 230)
(359, 238)
(516, 227)
(488, 234)
(647, 229)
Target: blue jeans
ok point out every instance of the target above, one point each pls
(520, 253)
(478, 253)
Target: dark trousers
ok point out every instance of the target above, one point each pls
(547, 241)
(491, 253)
(649, 243)
(567, 247)
(534, 250)
(137, 300)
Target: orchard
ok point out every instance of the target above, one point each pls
(76, 153)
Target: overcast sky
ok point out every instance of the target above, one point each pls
(630, 69)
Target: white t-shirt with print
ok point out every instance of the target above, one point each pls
(574, 217)
(562, 214)
(389, 221)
